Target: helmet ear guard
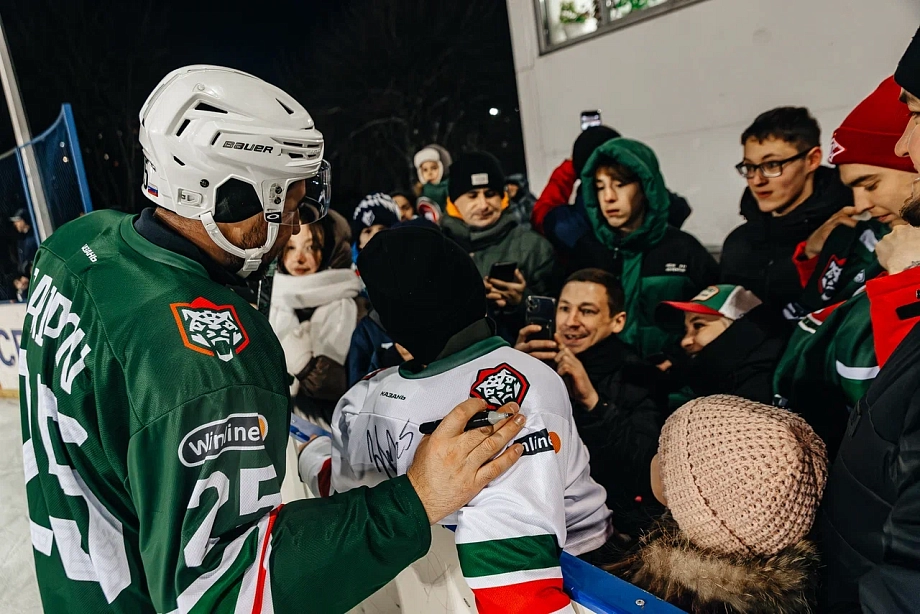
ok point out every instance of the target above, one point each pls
(220, 145)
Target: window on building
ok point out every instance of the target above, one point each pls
(563, 22)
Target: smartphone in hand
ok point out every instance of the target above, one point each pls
(541, 310)
(503, 271)
(589, 119)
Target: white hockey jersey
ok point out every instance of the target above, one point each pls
(510, 535)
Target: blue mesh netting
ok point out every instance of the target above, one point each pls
(12, 188)
(60, 173)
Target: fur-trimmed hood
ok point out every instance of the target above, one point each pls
(666, 564)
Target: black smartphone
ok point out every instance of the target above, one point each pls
(541, 310)
(590, 119)
(503, 271)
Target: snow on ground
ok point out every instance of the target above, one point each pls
(18, 590)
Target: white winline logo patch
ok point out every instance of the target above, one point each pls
(235, 432)
(540, 441)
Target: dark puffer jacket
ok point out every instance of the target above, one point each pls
(622, 430)
(741, 361)
(758, 254)
(870, 519)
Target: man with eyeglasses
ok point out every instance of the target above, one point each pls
(789, 196)
(868, 523)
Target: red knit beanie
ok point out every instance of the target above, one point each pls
(871, 130)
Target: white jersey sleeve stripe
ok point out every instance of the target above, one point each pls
(205, 582)
(514, 577)
(856, 373)
(29, 464)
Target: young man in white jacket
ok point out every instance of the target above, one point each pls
(509, 537)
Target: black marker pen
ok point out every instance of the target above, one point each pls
(483, 418)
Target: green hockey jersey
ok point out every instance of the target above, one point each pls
(829, 365)
(155, 415)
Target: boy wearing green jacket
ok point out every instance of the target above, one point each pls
(627, 205)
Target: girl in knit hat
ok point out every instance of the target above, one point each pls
(742, 482)
(432, 163)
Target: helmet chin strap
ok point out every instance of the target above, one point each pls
(252, 258)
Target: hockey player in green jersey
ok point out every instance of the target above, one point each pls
(155, 404)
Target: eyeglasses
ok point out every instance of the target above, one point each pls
(771, 169)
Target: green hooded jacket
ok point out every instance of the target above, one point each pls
(656, 262)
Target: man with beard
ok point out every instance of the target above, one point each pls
(155, 403)
(869, 522)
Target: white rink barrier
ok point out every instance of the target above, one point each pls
(11, 318)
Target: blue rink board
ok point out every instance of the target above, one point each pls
(607, 594)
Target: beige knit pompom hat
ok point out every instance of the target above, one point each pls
(740, 476)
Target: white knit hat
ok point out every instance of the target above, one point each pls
(431, 153)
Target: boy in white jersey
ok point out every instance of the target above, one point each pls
(509, 536)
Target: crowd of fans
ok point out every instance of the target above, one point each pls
(649, 326)
(716, 398)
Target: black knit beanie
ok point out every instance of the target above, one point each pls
(587, 142)
(423, 286)
(908, 73)
(473, 171)
(373, 209)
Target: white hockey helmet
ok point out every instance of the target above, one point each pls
(205, 129)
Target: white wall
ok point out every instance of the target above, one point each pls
(689, 82)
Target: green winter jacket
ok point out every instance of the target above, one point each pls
(506, 241)
(436, 192)
(654, 263)
(829, 365)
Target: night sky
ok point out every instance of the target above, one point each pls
(105, 56)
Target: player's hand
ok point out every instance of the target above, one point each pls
(451, 466)
(541, 349)
(506, 293)
(900, 249)
(818, 238)
(573, 372)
